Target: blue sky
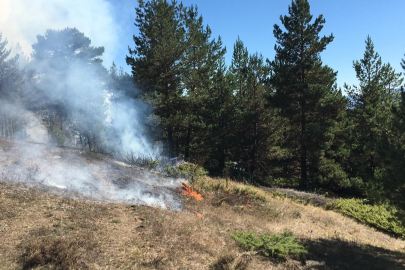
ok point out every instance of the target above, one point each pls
(349, 21)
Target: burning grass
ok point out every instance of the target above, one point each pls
(188, 191)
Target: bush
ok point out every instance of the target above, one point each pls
(381, 216)
(275, 245)
(143, 161)
(190, 171)
(282, 182)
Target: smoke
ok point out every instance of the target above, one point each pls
(79, 174)
(25, 125)
(22, 20)
(92, 108)
(104, 23)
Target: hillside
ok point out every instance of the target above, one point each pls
(66, 209)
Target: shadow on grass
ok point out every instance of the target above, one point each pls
(336, 254)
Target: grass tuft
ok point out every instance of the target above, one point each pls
(206, 184)
(231, 262)
(57, 252)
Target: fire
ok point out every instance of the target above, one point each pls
(187, 190)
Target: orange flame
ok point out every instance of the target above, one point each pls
(186, 190)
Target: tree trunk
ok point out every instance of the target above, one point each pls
(170, 141)
(304, 170)
(187, 149)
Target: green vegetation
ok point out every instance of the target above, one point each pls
(203, 185)
(190, 171)
(280, 194)
(275, 245)
(384, 217)
(289, 127)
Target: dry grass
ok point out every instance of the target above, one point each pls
(59, 233)
(61, 252)
(43, 231)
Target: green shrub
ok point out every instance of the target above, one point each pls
(190, 171)
(243, 191)
(280, 194)
(305, 201)
(275, 245)
(248, 191)
(381, 216)
(143, 161)
(282, 182)
(209, 186)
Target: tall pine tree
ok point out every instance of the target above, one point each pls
(304, 89)
(371, 111)
(156, 62)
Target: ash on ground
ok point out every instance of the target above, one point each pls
(79, 174)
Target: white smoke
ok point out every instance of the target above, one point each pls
(86, 97)
(20, 23)
(22, 20)
(79, 174)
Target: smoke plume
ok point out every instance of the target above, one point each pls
(21, 21)
(89, 101)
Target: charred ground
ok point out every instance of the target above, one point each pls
(94, 176)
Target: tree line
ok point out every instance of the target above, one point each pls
(280, 121)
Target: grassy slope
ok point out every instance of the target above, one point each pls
(38, 228)
(43, 231)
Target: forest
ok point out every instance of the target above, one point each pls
(271, 122)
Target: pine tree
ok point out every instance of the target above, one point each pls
(156, 62)
(255, 130)
(391, 150)
(371, 112)
(121, 83)
(304, 88)
(65, 79)
(173, 64)
(391, 82)
(199, 67)
(11, 80)
(391, 147)
(219, 119)
(238, 74)
(257, 116)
